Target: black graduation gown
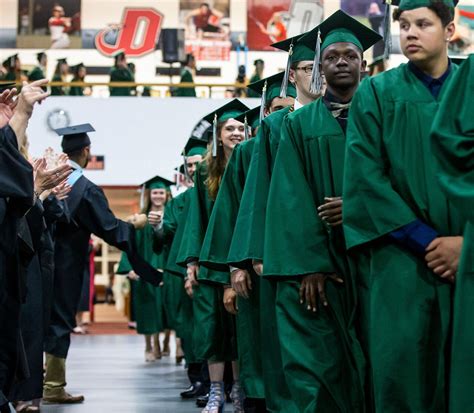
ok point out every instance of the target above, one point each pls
(16, 197)
(88, 212)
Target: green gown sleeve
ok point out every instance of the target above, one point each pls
(295, 237)
(196, 223)
(452, 139)
(124, 265)
(366, 217)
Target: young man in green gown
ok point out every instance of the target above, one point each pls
(170, 231)
(39, 71)
(121, 72)
(452, 140)
(322, 360)
(397, 217)
(247, 240)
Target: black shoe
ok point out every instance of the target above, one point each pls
(195, 390)
(202, 400)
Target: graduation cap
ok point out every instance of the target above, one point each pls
(250, 118)
(8, 85)
(118, 55)
(270, 88)
(228, 111)
(40, 55)
(337, 28)
(297, 52)
(257, 61)
(415, 4)
(75, 137)
(77, 67)
(9, 62)
(62, 60)
(195, 147)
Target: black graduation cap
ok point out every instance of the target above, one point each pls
(5, 86)
(77, 67)
(75, 137)
(257, 61)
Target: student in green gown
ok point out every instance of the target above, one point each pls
(247, 240)
(13, 68)
(452, 139)
(148, 298)
(61, 74)
(121, 73)
(187, 71)
(215, 339)
(396, 215)
(169, 231)
(39, 71)
(219, 234)
(79, 74)
(256, 77)
(322, 360)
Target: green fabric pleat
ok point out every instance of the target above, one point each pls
(452, 140)
(186, 326)
(390, 181)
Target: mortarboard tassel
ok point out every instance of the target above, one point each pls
(142, 197)
(316, 78)
(214, 137)
(286, 77)
(387, 33)
(264, 98)
(178, 179)
(185, 167)
(246, 127)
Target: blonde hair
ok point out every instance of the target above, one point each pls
(147, 205)
(215, 166)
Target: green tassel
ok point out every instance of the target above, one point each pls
(264, 98)
(316, 78)
(214, 137)
(387, 32)
(286, 77)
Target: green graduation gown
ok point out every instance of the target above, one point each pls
(214, 339)
(121, 75)
(247, 244)
(452, 139)
(147, 298)
(322, 359)
(186, 77)
(214, 254)
(57, 90)
(390, 181)
(36, 74)
(76, 90)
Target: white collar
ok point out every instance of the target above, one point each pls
(297, 105)
(74, 165)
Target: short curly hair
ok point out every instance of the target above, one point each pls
(443, 11)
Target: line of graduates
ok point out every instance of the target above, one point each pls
(47, 215)
(325, 246)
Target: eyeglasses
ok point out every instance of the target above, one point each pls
(307, 69)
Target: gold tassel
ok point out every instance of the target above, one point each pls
(246, 128)
(387, 32)
(316, 78)
(264, 98)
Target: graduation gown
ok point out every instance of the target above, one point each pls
(88, 212)
(121, 75)
(57, 90)
(452, 140)
(214, 252)
(389, 182)
(247, 244)
(214, 338)
(16, 197)
(36, 74)
(174, 222)
(148, 299)
(322, 359)
(76, 90)
(186, 77)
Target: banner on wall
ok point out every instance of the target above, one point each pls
(207, 28)
(270, 22)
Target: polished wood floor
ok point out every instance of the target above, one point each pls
(109, 370)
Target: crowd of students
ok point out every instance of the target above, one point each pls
(320, 259)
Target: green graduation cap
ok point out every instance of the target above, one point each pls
(62, 60)
(270, 88)
(228, 111)
(195, 147)
(297, 52)
(415, 4)
(337, 28)
(250, 118)
(75, 137)
(77, 67)
(9, 62)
